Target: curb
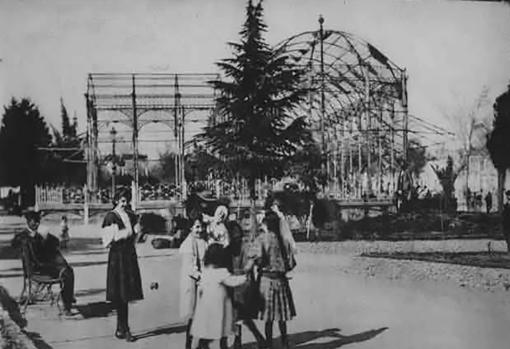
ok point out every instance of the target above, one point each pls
(11, 334)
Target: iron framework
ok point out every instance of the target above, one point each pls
(136, 100)
(357, 106)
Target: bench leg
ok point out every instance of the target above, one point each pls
(29, 296)
(20, 299)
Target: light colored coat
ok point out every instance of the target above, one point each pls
(192, 253)
(214, 314)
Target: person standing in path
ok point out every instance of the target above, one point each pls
(246, 298)
(488, 202)
(214, 315)
(123, 281)
(192, 251)
(273, 254)
(64, 232)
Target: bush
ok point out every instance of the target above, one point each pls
(153, 223)
(421, 226)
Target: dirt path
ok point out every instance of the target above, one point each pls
(335, 308)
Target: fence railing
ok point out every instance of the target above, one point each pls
(237, 191)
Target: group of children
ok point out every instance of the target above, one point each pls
(217, 282)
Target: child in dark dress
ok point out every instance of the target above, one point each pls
(245, 298)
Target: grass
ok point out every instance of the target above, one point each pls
(483, 259)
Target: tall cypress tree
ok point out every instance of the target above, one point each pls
(67, 129)
(255, 132)
(498, 142)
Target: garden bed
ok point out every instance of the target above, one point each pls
(415, 226)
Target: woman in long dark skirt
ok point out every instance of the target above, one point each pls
(123, 282)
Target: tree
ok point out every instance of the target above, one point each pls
(416, 157)
(200, 163)
(70, 164)
(255, 131)
(306, 166)
(165, 169)
(498, 141)
(470, 123)
(447, 176)
(22, 132)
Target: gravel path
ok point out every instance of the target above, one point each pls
(485, 279)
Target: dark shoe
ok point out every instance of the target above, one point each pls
(120, 334)
(263, 344)
(68, 312)
(129, 337)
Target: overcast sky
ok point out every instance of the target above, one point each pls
(451, 49)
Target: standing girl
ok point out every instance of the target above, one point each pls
(245, 299)
(192, 251)
(64, 232)
(274, 255)
(123, 282)
(214, 317)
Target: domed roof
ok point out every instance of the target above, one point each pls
(354, 70)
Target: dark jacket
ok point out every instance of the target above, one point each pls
(44, 251)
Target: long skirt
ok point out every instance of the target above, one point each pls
(277, 301)
(123, 281)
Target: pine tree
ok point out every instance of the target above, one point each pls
(255, 132)
(22, 132)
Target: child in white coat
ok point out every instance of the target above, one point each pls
(214, 314)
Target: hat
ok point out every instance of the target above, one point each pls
(32, 215)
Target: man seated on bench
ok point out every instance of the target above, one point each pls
(47, 258)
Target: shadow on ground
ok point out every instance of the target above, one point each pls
(169, 329)
(336, 340)
(89, 292)
(95, 309)
(38, 341)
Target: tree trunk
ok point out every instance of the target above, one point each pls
(501, 188)
(253, 213)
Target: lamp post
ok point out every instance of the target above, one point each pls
(113, 134)
(324, 157)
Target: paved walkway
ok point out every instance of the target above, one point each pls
(334, 309)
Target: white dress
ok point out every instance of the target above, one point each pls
(214, 315)
(189, 249)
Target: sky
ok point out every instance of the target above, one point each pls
(451, 49)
